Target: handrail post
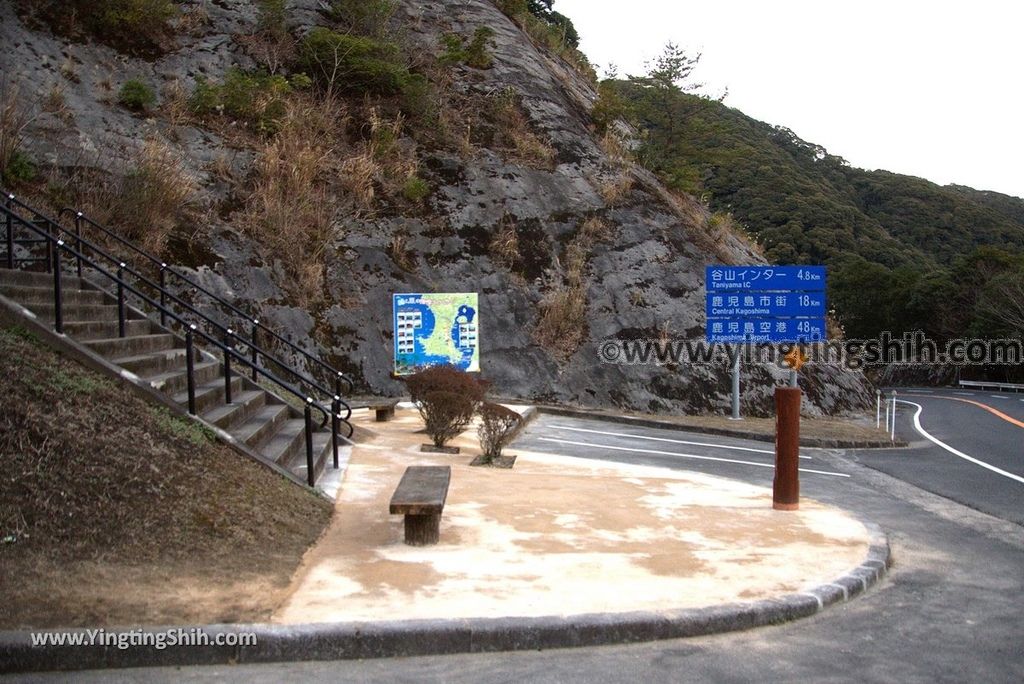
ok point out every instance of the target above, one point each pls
(227, 366)
(190, 368)
(78, 235)
(335, 418)
(10, 232)
(310, 475)
(163, 295)
(58, 296)
(253, 346)
(120, 300)
(49, 246)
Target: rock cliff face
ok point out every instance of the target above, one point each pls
(642, 276)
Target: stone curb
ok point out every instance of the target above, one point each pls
(347, 641)
(816, 442)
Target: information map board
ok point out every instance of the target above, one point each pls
(436, 329)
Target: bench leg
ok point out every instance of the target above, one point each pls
(385, 414)
(422, 530)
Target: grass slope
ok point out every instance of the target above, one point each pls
(116, 512)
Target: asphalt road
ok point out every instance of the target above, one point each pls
(949, 611)
(967, 422)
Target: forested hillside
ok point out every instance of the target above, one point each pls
(905, 253)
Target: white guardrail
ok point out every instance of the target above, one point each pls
(987, 384)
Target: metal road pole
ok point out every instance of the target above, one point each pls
(793, 379)
(736, 385)
(786, 485)
(878, 409)
(892, 436)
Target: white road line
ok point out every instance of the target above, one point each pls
(998, 396)
(955, 452)
(672, 453)
(965, 394)
(672, 441)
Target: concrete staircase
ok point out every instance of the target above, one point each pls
(255, 418)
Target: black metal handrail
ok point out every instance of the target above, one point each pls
(256, 352)
(337, 375)
(54, 246)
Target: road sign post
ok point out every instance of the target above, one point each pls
(736, 385)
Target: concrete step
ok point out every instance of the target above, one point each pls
(263, 424)
(77, 312)
(152, 363)
(210, 394)
(235, 413)
(282, 446)
(98, 330)
(174, 381)
(44, 295)
(37, 279)
(322, 454)
(116, 347)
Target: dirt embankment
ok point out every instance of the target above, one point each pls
(114, 512)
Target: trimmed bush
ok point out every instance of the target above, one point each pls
(136, 95)
(445, 379)
(498, 425)
(445, 414)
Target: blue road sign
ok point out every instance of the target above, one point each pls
(778, 330)
(747, 304)
(765, 304)
(765, 278)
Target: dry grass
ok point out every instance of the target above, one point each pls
(513, 133)
(615, 189)
(719, 229)
(174, 104)
(55, 103)
(398, 250)
(68, 69)
(288, 209)
(382, 166)
(504, 246)
(562, 325)
(155, 193)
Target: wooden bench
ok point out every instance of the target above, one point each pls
(420, 497)
(384, 411)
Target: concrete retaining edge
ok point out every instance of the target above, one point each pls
(347, 641)
(814, 442)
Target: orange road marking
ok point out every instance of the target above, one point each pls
(988, 408)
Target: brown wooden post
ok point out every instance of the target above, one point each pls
(786, 486)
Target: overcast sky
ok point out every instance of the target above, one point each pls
(932, 89)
